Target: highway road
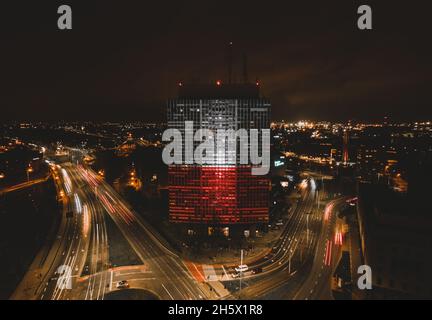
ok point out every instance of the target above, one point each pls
(80, 246)
(292, 250)
(317, 284)
(84, 246)
(23, 185)
(77, 266)
(301, 264)
(173, 279)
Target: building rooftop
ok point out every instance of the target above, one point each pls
(218, 90)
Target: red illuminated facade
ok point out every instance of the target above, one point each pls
(218, 195)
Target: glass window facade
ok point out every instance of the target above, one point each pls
(220, 193)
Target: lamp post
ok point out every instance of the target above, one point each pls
(241, 272)
(28, 171)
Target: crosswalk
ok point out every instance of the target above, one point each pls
(208, 273)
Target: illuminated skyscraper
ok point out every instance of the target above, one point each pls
(218, 195)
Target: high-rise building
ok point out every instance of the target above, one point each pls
(218, 195)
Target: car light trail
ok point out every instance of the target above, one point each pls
(338, 239)
(303, 184)
(77, 203)
(313, 184)
(327, 212)
(86, 221)
(327, 259)
(67, 181)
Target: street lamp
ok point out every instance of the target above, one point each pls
(241, 271)
(2, 176)
(28, 171)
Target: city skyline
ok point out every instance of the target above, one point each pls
(236, 152)
(340, 195)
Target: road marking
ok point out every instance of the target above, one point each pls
(88, 289)
(226, 274)
(111, 280)
(120, 273)
(209, 272)
(167, 291)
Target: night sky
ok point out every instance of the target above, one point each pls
(123, 61)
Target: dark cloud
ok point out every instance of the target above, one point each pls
(122, 60)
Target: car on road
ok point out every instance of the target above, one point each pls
(122, 284)
(242, 268)
(235, 275)
(352, 202)
(257, 270)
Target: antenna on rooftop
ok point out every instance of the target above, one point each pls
(230, 61)
(245, 71)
